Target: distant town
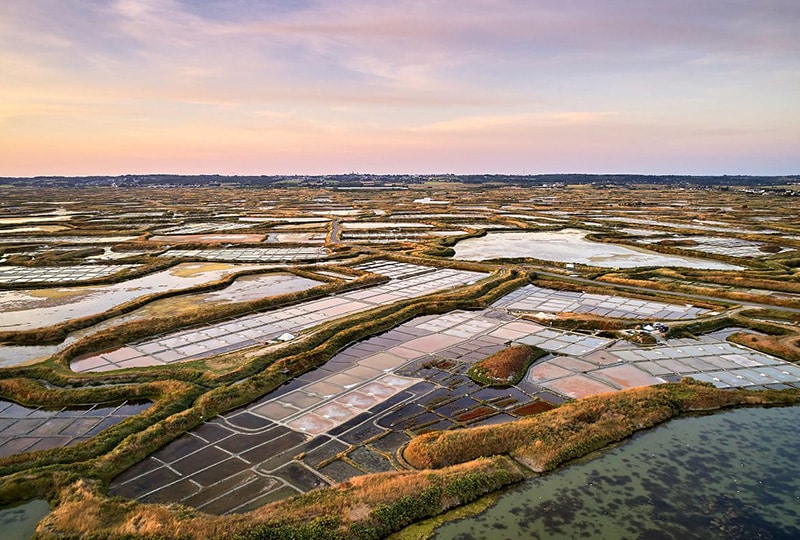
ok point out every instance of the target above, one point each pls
(783, 185)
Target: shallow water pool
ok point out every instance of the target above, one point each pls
(18, 522)
(728, 475)
(569, 245)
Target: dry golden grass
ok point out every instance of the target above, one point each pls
(659, 291)
(779, 346)
(546, 440)
(83, 512)
(686, 287)
(587, 320)
(504, 367)
(362, 508)
(369, 506)
(771, 315)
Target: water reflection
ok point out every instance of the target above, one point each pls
(38, 308)
(243, 289)
(569, 245)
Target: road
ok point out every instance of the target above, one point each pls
(335, 231)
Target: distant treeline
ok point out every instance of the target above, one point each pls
(377, 181)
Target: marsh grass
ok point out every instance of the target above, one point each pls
(659, 291)
(506, 367)
(368, 507)
(202, 314)
(685, 287)
(572, 430)
(169, 398)
(777, 314)
(782, 348)
(456, 467)
(181, 405)
(149, 265)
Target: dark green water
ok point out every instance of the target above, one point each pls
(18, 522)
(732, 475)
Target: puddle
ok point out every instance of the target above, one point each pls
(254, 287)
(569, 245)
(19, 355)
(41, 228)
(18, 522)
(243, 289)
(32, 219)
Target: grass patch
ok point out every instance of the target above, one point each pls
(773, 345)
(506, 367)
(658, 291)
(119, 447)
(423, 530)
(368, 507)
(712, 324)
(148, 264)
(692, 287)
(201, 314)
(769, 314)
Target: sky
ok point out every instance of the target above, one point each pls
(107, 87)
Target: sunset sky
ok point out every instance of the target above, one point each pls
(448, 86)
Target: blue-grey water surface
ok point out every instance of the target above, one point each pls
(735, 474)
(18, 521)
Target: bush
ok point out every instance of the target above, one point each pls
(324, 528)
(506, 367)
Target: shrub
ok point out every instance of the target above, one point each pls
(506, 367)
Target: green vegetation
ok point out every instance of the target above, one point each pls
(771, 314)
(423, 530)
(38, 473)
(692, 287)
